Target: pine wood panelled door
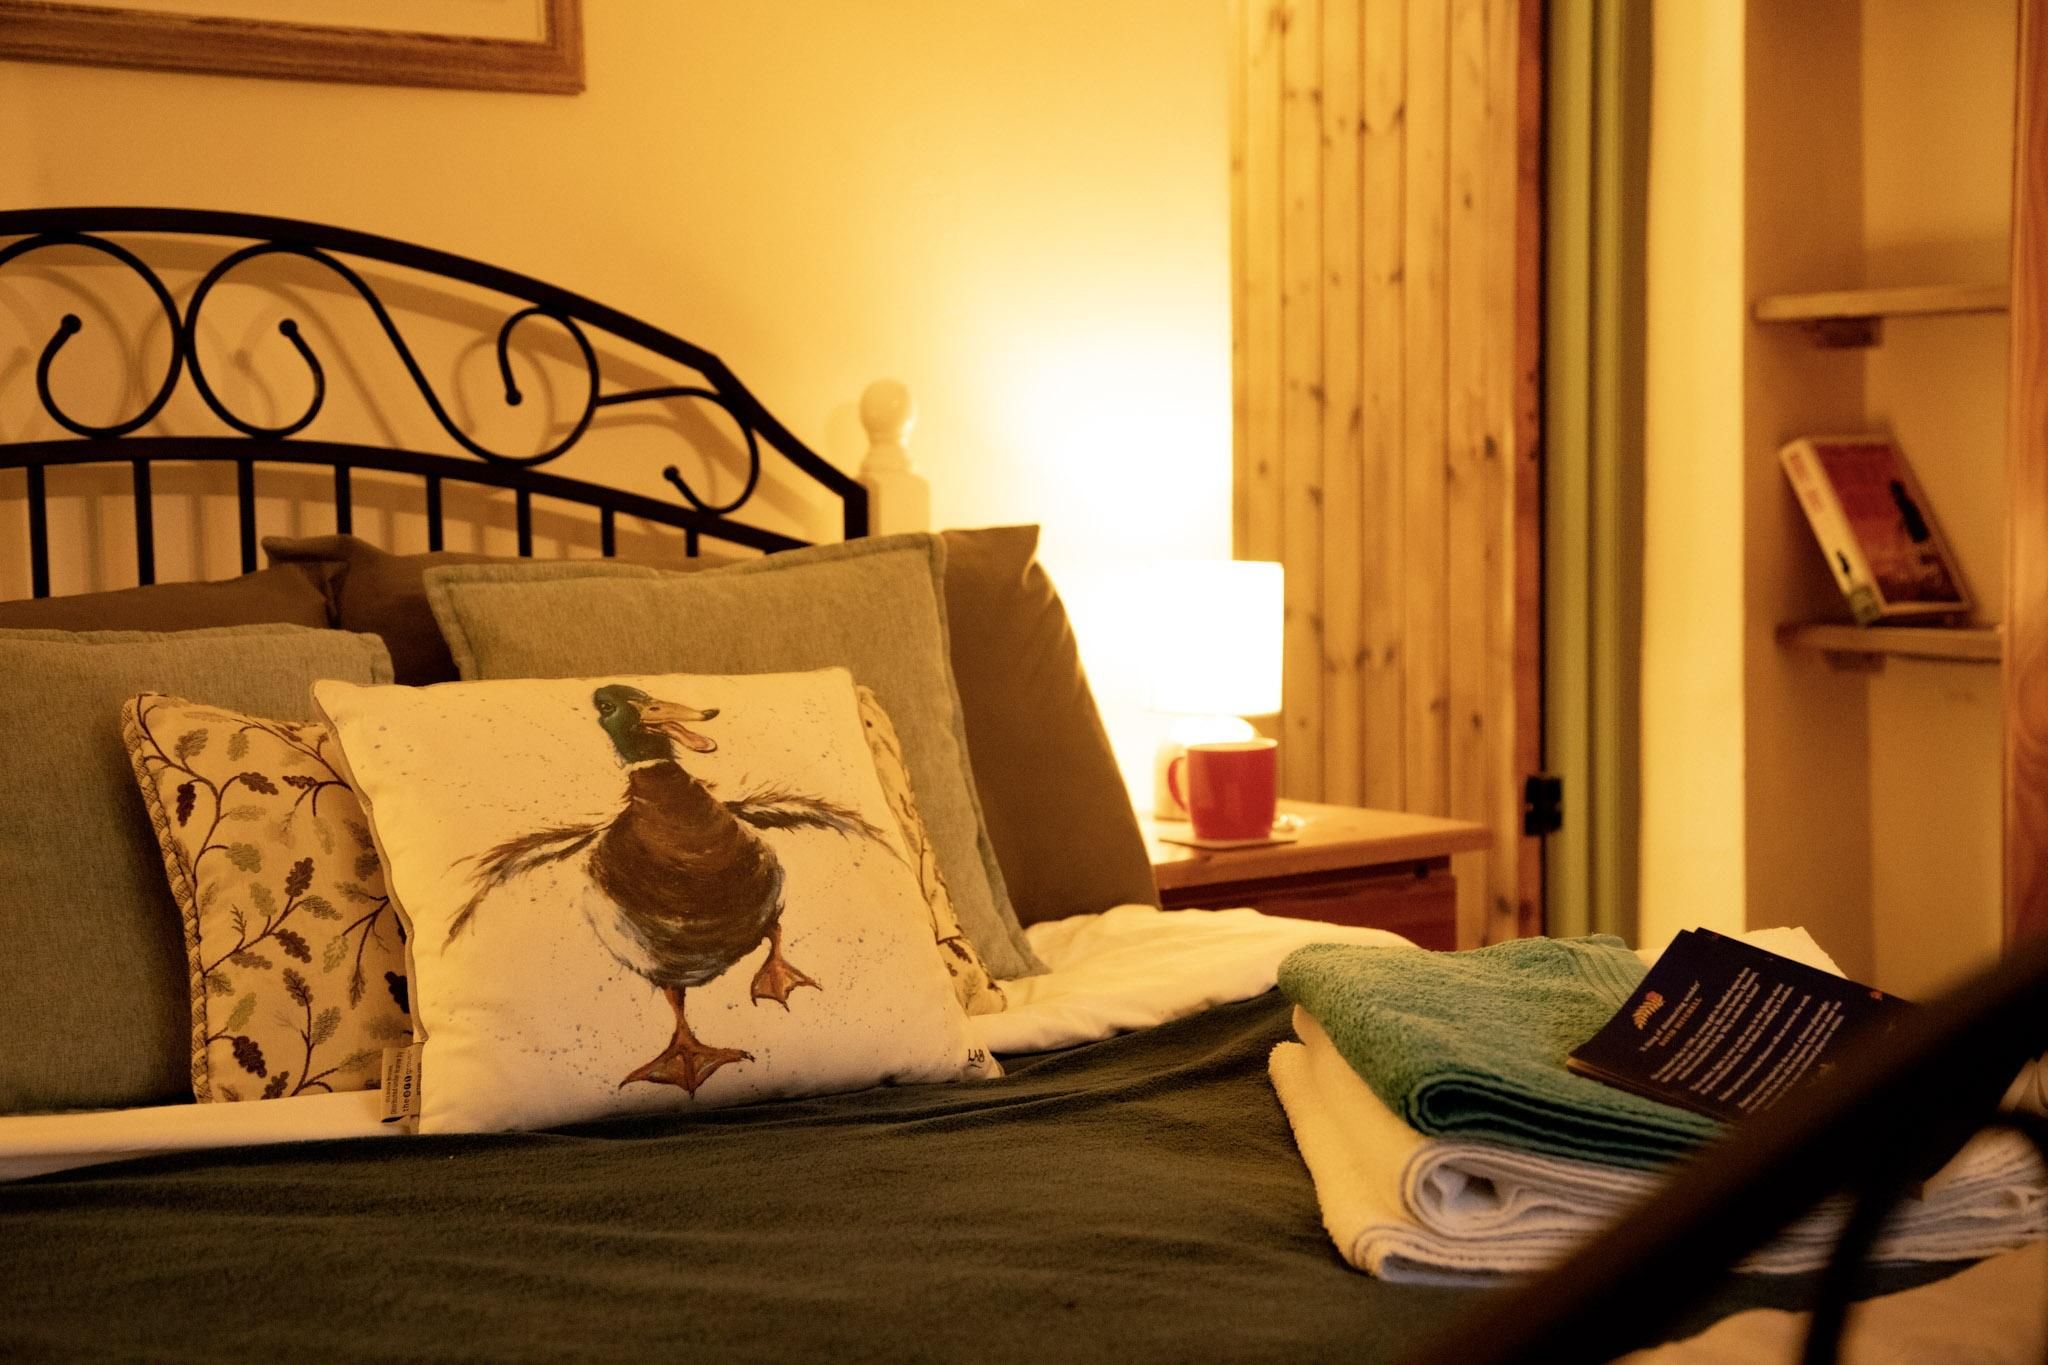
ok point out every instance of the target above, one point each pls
(1386, 260)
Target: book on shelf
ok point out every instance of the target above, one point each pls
(1727, 1029)
(1876, 529)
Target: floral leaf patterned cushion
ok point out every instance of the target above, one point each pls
(628, 894)
(295, 953)
(976, 989)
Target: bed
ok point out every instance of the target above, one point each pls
(1128, 1189)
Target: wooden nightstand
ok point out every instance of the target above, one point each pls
(1379, 868)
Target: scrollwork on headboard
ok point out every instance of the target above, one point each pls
(252, 440)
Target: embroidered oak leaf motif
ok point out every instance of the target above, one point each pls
(259, 851)
(249, 1056)
(362, 1056)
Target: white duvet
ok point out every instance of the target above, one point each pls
(1126, 969)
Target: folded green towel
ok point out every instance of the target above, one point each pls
(1473, 1044)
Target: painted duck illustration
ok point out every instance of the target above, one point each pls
(686, 886)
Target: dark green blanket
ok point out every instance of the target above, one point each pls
(1136, 1199)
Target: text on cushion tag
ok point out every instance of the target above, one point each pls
(401, 1082)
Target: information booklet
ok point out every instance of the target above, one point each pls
(1727, 1029)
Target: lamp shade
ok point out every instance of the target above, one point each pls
(1217, 633)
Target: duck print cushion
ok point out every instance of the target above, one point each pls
(973, 984)
(296, 961)
(628, 894)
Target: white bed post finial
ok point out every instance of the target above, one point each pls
(899, 499)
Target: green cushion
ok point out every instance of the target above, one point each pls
(874, 606)
(294, 594)
(381, 593)
(1058, 811)
(93, 1003)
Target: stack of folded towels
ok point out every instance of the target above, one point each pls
(1448, 1142)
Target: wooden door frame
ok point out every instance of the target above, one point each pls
(2026, 520)
(1527, 497)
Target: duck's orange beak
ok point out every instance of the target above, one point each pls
(674, 720)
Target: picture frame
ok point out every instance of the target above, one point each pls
(199, 37)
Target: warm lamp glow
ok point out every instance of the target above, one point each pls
(1218, 636)
(1178, 652)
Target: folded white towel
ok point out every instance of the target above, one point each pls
(1405, 1207)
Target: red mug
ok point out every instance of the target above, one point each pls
(1231, 787)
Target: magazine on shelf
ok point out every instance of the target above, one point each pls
(1876, 529)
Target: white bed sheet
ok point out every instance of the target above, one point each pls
(1129, 968)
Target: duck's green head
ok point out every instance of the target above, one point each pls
(644, 727)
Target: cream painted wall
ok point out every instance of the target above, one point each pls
(1777, 789)
(1937, 205)
(1809, 853)
(1692, 831)
(1019, 208)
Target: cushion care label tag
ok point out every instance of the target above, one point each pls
(402, 1083)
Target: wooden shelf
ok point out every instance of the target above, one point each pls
(1870, 646)
(1917, 301)
(1853, 317)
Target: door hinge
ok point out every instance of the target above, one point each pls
(1542, 804)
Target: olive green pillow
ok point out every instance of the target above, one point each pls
(294, 594)
(373, 590)
(1059, 813)
(94, 1010)
(874, 606)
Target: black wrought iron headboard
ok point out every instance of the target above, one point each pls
(247, 443)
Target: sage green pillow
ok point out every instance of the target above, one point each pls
(94, 1010)
(874, 606)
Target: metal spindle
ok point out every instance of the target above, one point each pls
(145, 526)
(433, 511)
(690, 541)
(344, 501)
(608, 532)
(245, 500)
(523, 503)
(38, 533)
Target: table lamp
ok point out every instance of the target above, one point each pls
(1218, 627)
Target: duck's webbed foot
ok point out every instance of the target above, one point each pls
(777, 978)
(685, 1062)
